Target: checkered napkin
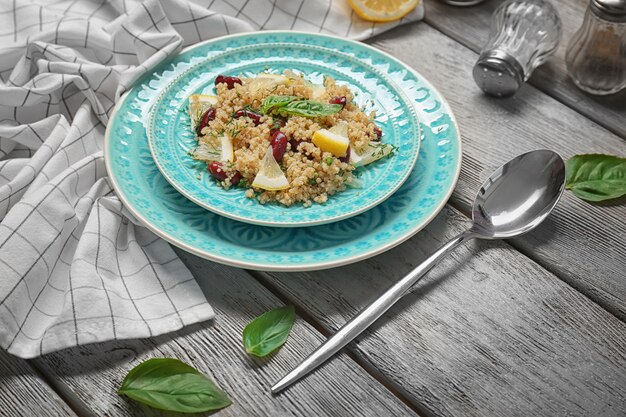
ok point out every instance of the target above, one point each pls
(75, 266)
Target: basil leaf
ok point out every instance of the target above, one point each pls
(308, 108)
(269, 331)
(172, 385)
(275, 102)
(596, 177)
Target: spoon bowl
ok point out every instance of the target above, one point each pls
(519, 195)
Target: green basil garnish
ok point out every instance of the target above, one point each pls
(272, 103)
(596, 177)
(308, 108)
(172, 385)
(269, 331)
(293, 106)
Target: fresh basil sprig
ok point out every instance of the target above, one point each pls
(172, 385)
(293, 106)
(269, 331)
(272, 103)
(308, 108)
(596, 177)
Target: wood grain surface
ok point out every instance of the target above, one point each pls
(94, 372)
(583, 243)
(470, 27)
(24, 393)
(488, 333)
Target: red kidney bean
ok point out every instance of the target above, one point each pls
(206, 117)
(234, 181)
(346, 158)
(294, 144)
(339, 100)
(256, 117)
(229, 81)
(279, 145)
(217, 170)
(378, 132)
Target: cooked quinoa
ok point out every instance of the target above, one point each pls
(236, 117)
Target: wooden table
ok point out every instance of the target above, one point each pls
(529, 327)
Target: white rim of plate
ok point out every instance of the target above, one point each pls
(309, 266)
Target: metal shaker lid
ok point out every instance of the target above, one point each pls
(498, 73)
(611, 10)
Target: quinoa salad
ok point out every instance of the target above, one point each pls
(284, 139)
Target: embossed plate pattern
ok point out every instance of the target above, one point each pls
(171, 139)
(147, 194)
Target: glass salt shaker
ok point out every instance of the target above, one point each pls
(524, 33)
(596, 55)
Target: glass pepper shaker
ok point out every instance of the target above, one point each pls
(524, 33)
(596, 55)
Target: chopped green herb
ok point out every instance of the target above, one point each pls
(249, 107)
(329, 160)
(234, 128)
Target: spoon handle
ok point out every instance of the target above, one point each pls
(369, 315)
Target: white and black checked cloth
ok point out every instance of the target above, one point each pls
(75, 267)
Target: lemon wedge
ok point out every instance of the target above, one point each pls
(227, 153)
(382, 10)
(334, 140)
(198, 103)
(341, 128)
(318, 91)
(209, 152)
(270, 177)
(370, 154)
(266, 81)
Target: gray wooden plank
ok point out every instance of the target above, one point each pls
(585, 243)
(488, 332)
(470, 26)
(24, 393)
(94, 372)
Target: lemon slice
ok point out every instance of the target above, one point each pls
(228, 153)
(334, 140)
(266, 81)
(198, 103)
(318, 91)
(209, 152)
(341, 128)
(372, 153)
(382, 10)
(270, 177)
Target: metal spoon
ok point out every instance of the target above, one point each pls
(515, 199)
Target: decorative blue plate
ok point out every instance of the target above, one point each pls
(171, 139)
(148, 195)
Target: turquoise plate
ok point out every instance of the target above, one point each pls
(152, 200)
(171, 138)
